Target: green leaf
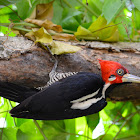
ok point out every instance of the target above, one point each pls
(54, 130)
(92, 120)
(29, 131)
(112, 8)
(99, 30)
(136, 18)
(20, 121)
(4, 3)
(70, 127)
(22, 6)
(5, 14)
(131, 138)
(98, 24)
(96, 6)
(69, 20)
(8, 133)
(103, 31)
(136, 3)
(57, 18)
(126, 23)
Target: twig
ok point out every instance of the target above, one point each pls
(12, 10)
(42, 133)
(68, 31)
(4, 123)
(56, 62)
(130, 116)
(127, 32)
(11, 108)
(113, 121)
(4, 111)
(64, 131)
(106, 27)
(67, 3)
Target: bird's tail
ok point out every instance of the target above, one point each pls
(15, 92)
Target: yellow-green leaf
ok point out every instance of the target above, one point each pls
(42, 36)
(81, 31)
(98, 24)
(62, 48)
(99, 30)
(114, 37)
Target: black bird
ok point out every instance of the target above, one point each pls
(75, 95)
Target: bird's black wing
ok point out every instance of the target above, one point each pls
(16, 93)
(58, 100)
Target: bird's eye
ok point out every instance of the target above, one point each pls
(120, 72)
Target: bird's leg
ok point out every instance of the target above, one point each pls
(53, 75)
(55, 59)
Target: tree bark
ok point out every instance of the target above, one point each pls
(22, 62)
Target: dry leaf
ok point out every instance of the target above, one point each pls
(46, 24)
(64, 37)
(15, 31)
(30, 35)
(62, 48)
(43, 11)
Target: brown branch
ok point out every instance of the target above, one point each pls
(27, 64)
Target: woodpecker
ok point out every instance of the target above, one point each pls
(68, 96)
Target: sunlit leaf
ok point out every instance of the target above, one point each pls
(99, 30)
(29, 131)
(63, 48)
(5, 14)
(98, 24)
(8, 133)
(70, 127)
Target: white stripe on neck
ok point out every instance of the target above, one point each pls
(105, 88)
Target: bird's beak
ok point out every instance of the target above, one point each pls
(130, 78)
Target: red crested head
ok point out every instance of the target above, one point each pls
(112, 72)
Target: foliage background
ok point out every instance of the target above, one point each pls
(119, 120)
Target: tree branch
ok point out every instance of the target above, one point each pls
(23, 62)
